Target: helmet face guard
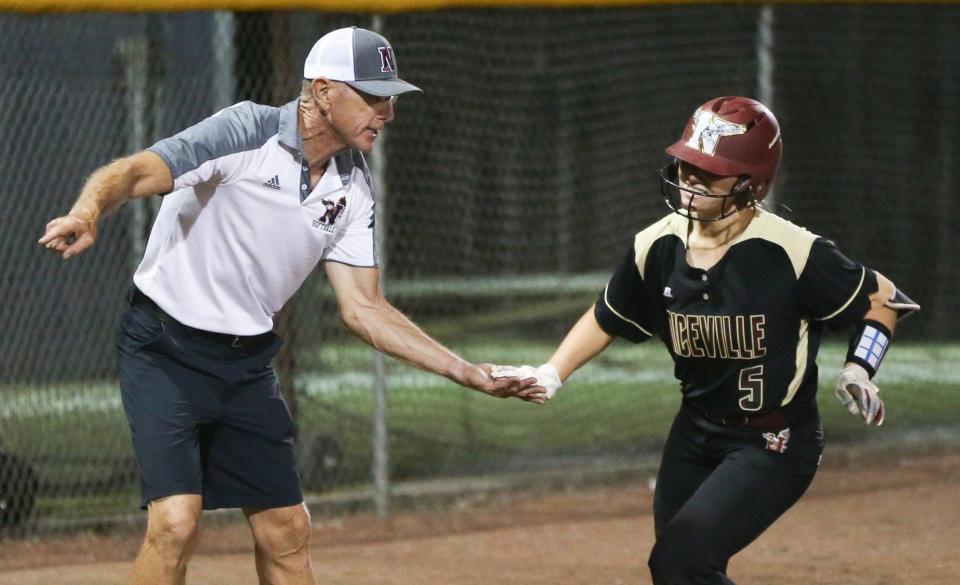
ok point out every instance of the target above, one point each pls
(729, 136)
(672, 192)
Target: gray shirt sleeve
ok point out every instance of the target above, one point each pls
(193, 154)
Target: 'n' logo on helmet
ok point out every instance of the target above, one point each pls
(388, 62)
(708, 129)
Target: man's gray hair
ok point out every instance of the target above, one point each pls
(306, 95)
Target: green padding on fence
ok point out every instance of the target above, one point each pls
(380, 6)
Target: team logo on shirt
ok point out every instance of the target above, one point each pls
(333, 210)
(777, 442)
(708, 129)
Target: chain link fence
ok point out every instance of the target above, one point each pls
(509, 190)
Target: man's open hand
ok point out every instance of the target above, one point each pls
(525, 388)
(546, 376)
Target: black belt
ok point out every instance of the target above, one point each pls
(779, 418)
(142, 301)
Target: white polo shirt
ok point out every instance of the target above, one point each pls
(242, 230)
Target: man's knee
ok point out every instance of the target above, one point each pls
(282, 533)
(173, 523)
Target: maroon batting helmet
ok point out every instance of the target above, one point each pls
(733, 136)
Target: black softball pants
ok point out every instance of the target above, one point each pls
(719, 488)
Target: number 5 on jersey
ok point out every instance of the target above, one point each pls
(751, 388)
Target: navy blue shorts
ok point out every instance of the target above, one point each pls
(205, 413)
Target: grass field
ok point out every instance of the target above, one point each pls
(619, 406)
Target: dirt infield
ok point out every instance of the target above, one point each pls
(860, 524)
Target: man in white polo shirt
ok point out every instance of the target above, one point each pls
(257, 196)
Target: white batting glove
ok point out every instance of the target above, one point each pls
(513, 372)
(860, 395)
(546, 376)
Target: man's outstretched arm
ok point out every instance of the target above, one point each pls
(139, 175)
(373, 319)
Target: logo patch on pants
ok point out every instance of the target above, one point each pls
(777, 442)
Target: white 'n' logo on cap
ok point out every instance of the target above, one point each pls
(708, 129)
(388, 62)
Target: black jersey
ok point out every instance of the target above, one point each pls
(744, 334)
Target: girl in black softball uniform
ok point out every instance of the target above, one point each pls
(739, 297)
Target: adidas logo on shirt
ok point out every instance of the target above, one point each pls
(273, 183)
